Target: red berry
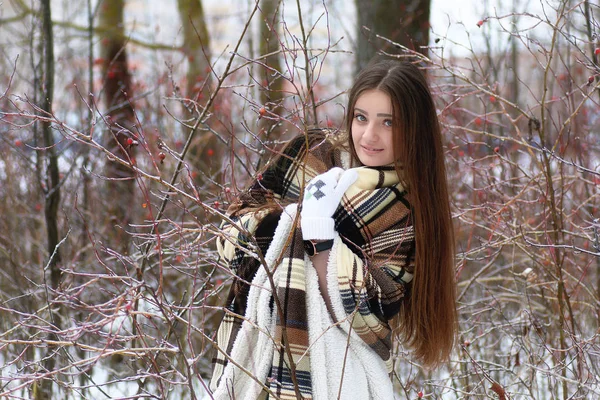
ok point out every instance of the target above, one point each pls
(590, 80)
(129, 141)
(161, 156)
(597, 51)
(217, 204)
(227, 190)
(420, 394)
(259, 177)
(210, 152)
(481, 22)
(461, 153)
(261, 112)
(478, 121)
(18, 143)
(496, 149)
(492, 99)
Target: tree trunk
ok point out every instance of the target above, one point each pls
(405, 22)
(51, 192)
(206, 151)
(196, 46)
(120, 182)
(271, 95)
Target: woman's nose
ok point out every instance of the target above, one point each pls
(370, 132)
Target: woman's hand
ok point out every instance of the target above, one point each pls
(322, 196)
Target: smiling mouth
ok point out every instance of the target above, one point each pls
(370, 149)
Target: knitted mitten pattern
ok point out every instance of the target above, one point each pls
(322, 196)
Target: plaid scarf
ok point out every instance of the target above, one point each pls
(289, 345)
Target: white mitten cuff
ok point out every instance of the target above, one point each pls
(317, 228)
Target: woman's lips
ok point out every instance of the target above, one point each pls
(371, 150)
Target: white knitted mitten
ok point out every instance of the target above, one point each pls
(322, 196)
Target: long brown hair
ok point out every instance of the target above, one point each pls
(427, 321)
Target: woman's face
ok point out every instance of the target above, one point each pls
(372, 128)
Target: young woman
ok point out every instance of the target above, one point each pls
(343, 241)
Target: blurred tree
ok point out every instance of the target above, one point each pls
(403, 21)
(271, 81)
(196, 45)
(206, 152)
(120, 118)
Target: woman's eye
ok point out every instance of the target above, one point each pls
(360, 117)
(388, 123)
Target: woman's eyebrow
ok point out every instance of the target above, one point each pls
(384, 115)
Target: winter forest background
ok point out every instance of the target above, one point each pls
(126, 127)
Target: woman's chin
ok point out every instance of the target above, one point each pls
(372, 160)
